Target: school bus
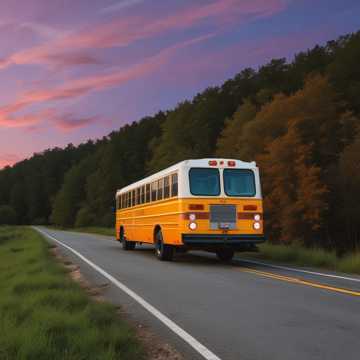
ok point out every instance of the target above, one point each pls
(209, 204)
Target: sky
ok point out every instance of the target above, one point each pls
(75, 70)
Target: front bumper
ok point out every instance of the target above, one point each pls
(216, 240)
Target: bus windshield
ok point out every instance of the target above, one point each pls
(204, 181)
(239, 182)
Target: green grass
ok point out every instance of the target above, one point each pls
(45, 315)
(96, 230)
(89, 229)
(293, 254)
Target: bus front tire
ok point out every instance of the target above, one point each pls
(225, 254)
(126, 245)
(163, 251)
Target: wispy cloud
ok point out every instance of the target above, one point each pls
(42, 30)
(120, 5)
(126, 30)
(10, 120)
(69, 122)
(76, 88)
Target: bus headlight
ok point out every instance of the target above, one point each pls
(257, 217)
(257, 225)
(192, 226)
(192, 217)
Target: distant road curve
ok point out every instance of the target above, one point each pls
(208, 310)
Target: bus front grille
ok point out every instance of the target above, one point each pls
(222, 217)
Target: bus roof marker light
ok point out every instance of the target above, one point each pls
(231, 163)
(212, 162)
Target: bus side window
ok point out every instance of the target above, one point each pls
(137, 196)
(174, 185)
(147, 193)
(133, 197)
(160, 189)
(166, 187)
(143, 194)
(153, 191)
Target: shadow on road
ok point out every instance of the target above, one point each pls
(194, 258)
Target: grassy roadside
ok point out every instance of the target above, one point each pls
(89, 229)
(296, 255)
(45, 315)
(96, 230)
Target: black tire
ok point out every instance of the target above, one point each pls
(225, 254)
(163, 251)
(126, 245)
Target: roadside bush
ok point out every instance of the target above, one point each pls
(108, 220)
(7, 215)
(84, 217)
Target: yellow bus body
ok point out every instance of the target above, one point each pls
(171, 215)
(139, 220)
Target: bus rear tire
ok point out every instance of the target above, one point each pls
(163, 251)
(126, 245)
(225, 254)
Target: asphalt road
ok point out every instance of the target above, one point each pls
(237, 311)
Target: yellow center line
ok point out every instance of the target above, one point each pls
(300, 281)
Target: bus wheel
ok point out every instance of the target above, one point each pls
(163, 251)
(225, 254)
(126, 245)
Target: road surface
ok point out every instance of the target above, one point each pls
(236, 311)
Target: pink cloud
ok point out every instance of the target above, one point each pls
(14, 121)
(8, 160)
(124, 31)
(68, 122)
(62, 60)
(80, 87)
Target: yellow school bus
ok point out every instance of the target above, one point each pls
(209, 204)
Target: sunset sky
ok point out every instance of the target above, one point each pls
(77, 69)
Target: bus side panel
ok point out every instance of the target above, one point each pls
(163, 213)
(140, 222)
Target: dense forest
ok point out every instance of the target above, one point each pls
(299, 120)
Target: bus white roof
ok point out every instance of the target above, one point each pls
(187, 164)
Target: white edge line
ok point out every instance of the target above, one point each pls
(297, 270)
(196, 345)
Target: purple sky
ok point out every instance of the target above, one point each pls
(73, 70)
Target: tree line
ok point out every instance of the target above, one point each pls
(299, 120)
